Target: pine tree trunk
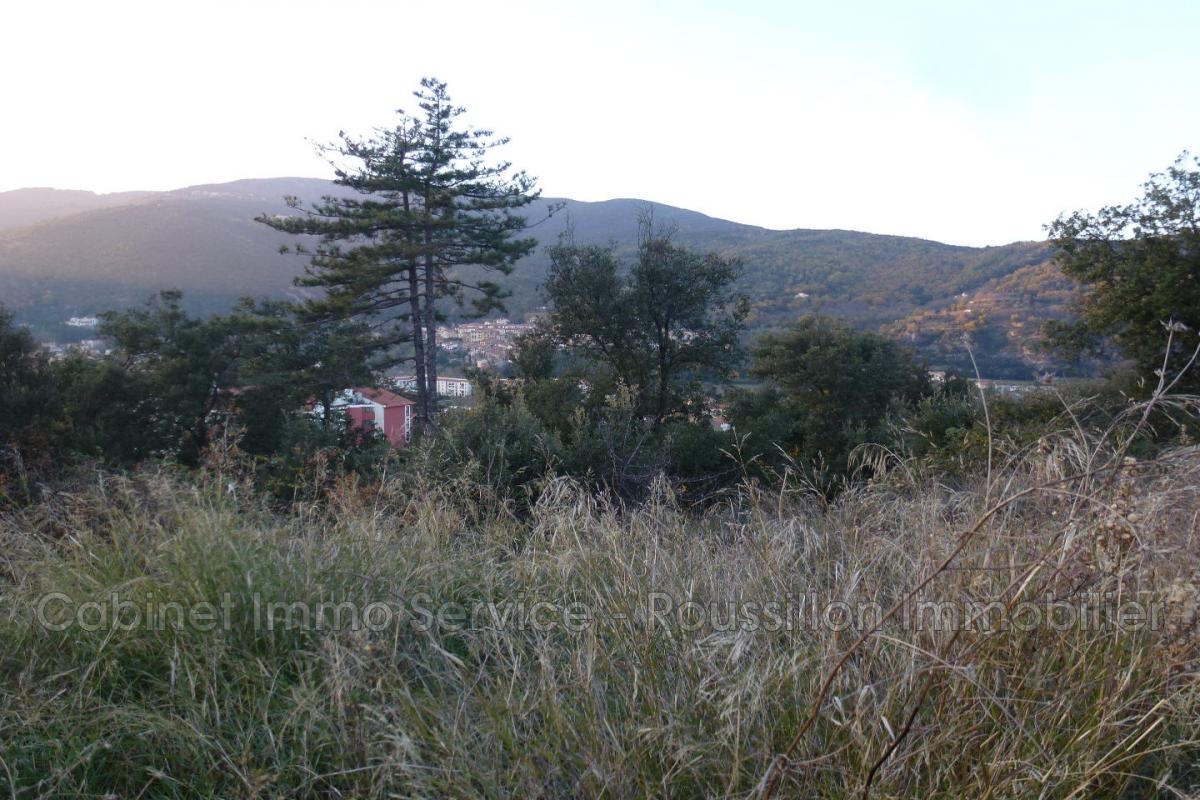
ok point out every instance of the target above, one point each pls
(414, 304)
(327, 409)
(431, 341)
(416, 317)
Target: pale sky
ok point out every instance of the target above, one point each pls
(966, 122)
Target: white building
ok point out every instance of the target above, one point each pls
(446, 387)
(84, 322)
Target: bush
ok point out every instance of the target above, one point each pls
(309, 461)
(499, 443)
(829, 389)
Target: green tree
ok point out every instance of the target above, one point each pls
(184, 365)
(552, 388)
(828, 388)
(660, 327)
(175, 374)
(108, 412)
(1140, 264)
(289, 360)
(23, 381)
(430, 213)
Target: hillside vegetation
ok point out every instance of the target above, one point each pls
(1002, 320)
(204, 241)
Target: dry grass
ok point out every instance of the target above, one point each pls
(626, 706)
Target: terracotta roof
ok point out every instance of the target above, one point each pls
(383, 397)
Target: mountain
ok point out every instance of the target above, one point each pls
(1000, 320)
(24, 207)
(202, 239)
(66, 254)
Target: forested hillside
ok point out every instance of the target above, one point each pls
(64, 254)
(1002, 321)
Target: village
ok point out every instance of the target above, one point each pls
(486, 344)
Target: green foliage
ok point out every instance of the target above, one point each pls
(659, 327)
(290, 360)
(183, 363)
(951, 435)
(613, 446)
(23, 381)
(27, 408)
(308, 460)
(939, 423)
(552, 388)
(499, 443)
(536, 353)
(621, 370)
(504, 441)
(109, 413)
(173, 380)
(151, 399)
(427, 206)
(1141, 265)
(701, 462)
(829, 389)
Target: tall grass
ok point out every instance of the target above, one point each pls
(685, 704)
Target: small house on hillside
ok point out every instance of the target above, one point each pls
(379, 410)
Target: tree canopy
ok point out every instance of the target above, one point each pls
(827, 388)
(1140, 264)
(659, 326)
(22, 379)
(429, 205)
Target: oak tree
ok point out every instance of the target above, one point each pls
(1140, 266)
(660, 326)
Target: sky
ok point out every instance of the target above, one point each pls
(966, 122)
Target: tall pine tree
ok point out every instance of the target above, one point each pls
(431, 215)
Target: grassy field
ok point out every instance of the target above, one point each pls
(165, 635)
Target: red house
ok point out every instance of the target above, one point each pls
(379, 410)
